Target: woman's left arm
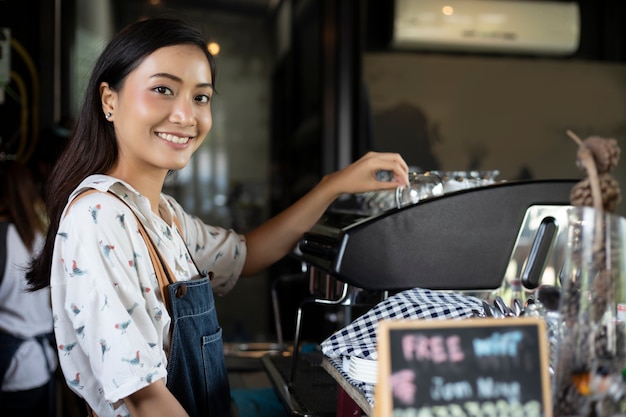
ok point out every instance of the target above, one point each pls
(272, 240)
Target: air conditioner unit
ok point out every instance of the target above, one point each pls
(523, 27)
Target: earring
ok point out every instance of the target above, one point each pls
(108, 115)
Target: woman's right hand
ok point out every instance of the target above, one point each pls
(361, 175)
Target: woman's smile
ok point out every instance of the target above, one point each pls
(176, 139)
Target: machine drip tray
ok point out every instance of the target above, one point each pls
(313, 393)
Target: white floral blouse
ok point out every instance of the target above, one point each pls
(110, 323)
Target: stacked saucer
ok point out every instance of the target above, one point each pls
(364, 370)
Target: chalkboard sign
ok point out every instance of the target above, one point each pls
(471, 367)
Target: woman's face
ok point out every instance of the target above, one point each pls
(162, 112)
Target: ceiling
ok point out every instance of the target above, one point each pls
(249, 7)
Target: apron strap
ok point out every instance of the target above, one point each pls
(8, 346)
(164, 274)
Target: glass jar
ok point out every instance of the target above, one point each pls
(591, 359)
(422, 185)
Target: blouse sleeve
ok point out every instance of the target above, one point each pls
(215, 249)
(109, 319)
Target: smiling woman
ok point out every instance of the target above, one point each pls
(167, 97)
(146, 111)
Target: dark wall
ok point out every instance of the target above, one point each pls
(36, 99)
(603, 33)
(318, 85)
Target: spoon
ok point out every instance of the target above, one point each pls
(504, 310)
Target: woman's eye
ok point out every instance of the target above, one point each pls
(203, 98)
(163, 90)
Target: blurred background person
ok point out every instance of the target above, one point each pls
(27, 358)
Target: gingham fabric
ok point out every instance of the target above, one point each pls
(359, 338)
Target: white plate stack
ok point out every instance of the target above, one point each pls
(364, 370)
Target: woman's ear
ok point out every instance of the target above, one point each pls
(107, 96)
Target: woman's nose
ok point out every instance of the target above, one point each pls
(183, 113)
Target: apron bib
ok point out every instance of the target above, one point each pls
(196, 369)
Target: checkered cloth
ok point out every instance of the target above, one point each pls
(359, 338)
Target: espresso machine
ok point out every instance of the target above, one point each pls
(464, 241)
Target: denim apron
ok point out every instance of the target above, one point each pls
(196, 369)
(9, 346)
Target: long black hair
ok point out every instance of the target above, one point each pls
(92, 146)
(19, 201)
